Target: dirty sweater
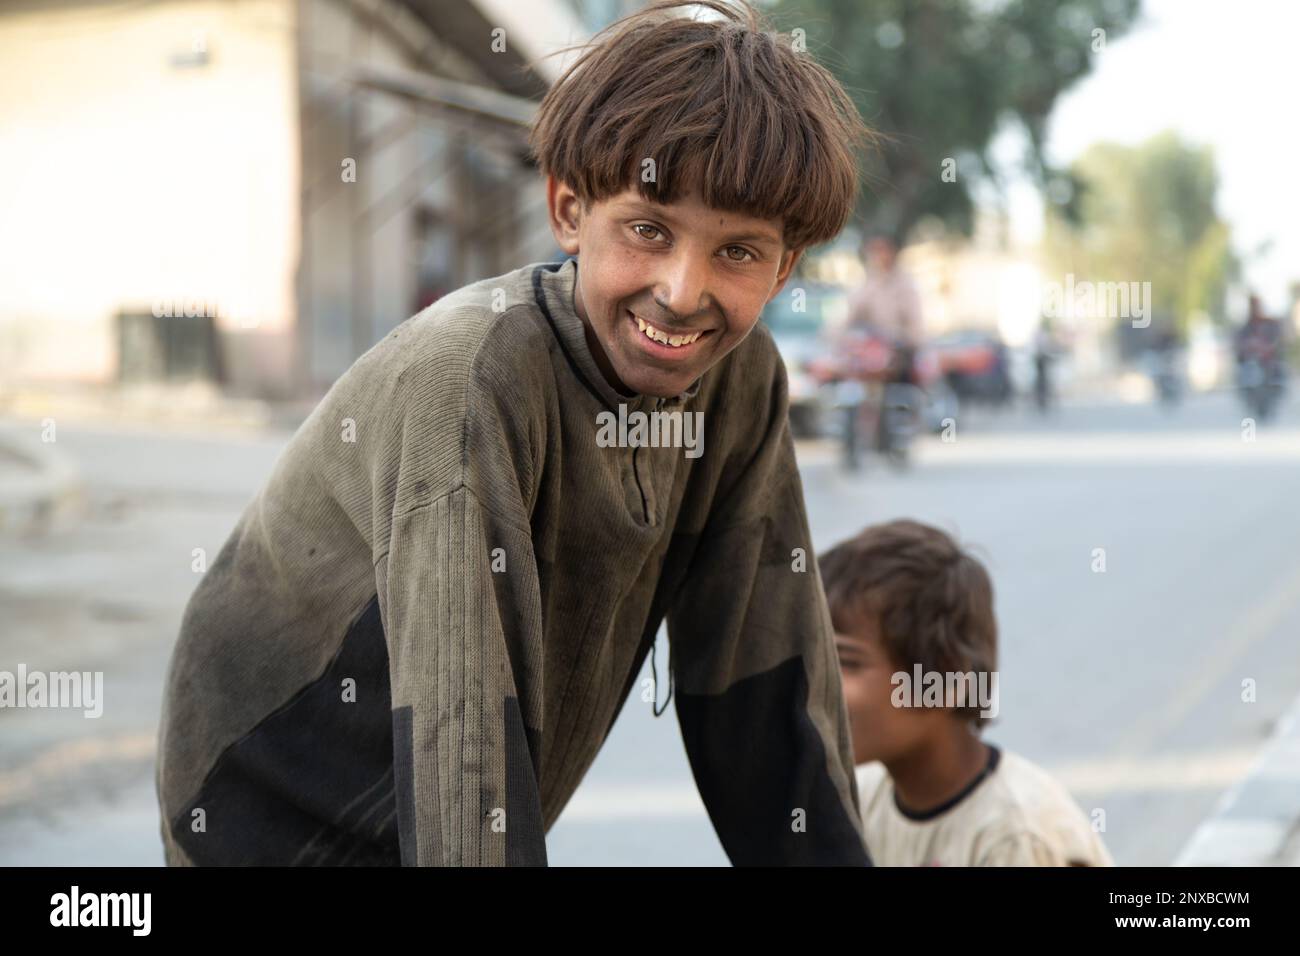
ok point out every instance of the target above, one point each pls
(422, 628)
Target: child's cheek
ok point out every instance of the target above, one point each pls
(882, 688)
(854, 696)
(857, 703)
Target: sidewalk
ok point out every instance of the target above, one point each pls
(40, 486)
(181, 406)
(1257, 823)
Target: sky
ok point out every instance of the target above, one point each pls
(1225, 74)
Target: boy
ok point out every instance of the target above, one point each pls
(907, 602)
(421, 631)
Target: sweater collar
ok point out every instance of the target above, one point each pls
(553, 287)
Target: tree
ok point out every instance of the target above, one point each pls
(1148, 213)
(939, 77)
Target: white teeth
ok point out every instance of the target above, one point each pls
(676, 341)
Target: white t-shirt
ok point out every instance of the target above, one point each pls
(1016, 815)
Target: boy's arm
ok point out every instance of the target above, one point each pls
(755, 669)
(459, 602)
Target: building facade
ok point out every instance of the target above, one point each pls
(298, 175)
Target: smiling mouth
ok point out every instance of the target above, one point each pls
(664, 342)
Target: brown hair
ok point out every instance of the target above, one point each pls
(932, 600)
(728, 106)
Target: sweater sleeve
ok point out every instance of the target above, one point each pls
(759, 699)
(460, 606)
(464, 770)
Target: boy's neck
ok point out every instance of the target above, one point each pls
(931, 776)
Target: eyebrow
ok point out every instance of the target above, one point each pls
(660, 212)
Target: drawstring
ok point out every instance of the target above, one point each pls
(655, 675)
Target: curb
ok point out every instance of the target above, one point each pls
(1257, 822)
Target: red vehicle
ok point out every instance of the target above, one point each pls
(975, 366)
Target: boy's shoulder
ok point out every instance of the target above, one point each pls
(871, 778)
(462, 351)
(418, 386)
(453, 331)
(1025, 788)
(1029, 818)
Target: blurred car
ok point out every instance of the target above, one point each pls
(976, 366)
(802, 327)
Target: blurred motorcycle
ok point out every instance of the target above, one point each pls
(876, 388)
(1261, 368)
(1261, 379)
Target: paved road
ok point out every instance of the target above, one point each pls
(1127, 683)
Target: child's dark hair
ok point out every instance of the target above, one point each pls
(931, 600)
(726, 106)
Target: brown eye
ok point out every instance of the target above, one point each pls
(642, 225)
(741, 249)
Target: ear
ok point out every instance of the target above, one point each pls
(788, 261)
(565, 210)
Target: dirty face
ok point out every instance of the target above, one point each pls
(665, 291)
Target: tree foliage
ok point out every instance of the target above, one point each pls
(939, 78)
(1148, 213)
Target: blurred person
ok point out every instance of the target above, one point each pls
(1260, 347)
(1260, 336)
(1044, 350)
(416, 640)
(906, 600)
(888, 303)
(880, 342)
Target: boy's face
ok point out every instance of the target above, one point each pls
(686, 269)
(879, 730)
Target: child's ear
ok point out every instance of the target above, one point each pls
(566, 211)
(788, 261)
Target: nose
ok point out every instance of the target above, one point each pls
(682, 286)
